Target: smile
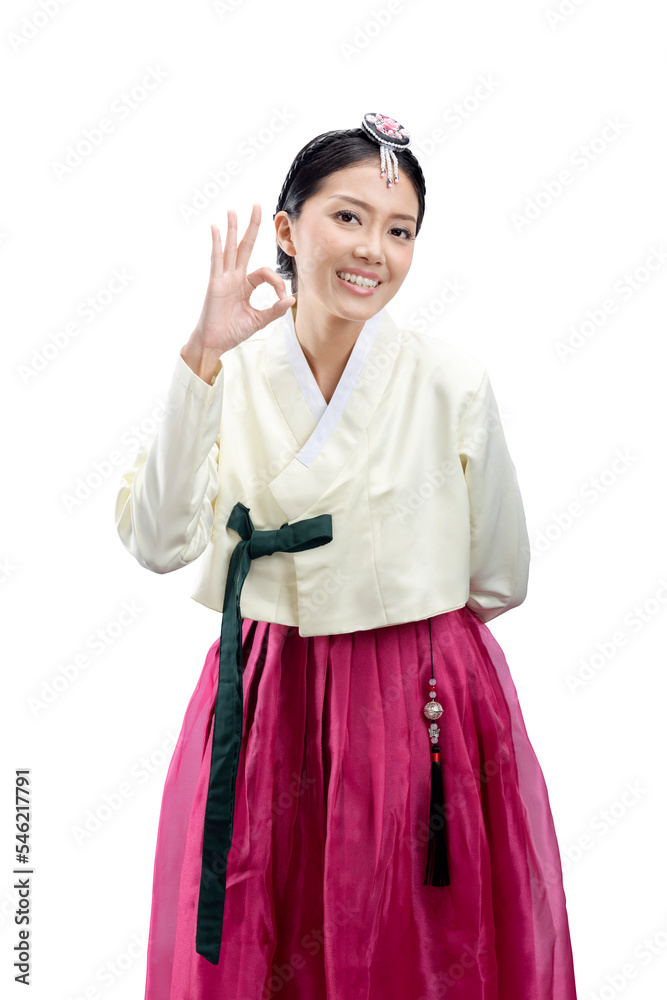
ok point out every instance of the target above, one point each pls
(356, 279)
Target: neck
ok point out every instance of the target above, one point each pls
(326, 340)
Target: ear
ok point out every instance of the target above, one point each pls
(283, 225)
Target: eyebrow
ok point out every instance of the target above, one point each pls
(362, 204)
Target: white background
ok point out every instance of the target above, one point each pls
(219, 74)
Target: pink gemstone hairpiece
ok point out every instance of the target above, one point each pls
(389, 134)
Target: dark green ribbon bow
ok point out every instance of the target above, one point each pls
(228, 724)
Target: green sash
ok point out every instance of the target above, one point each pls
(228, 724)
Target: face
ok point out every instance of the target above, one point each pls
(354, 224)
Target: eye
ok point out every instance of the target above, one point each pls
(399, 229)
(344, 211)
(408, 234)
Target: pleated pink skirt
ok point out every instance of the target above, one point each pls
(325, 897)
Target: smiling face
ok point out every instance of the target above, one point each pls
(354, 225)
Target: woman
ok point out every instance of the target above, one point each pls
(354, 808)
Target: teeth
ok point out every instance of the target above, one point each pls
(356, 279)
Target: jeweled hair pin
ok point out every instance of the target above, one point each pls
(389, 134)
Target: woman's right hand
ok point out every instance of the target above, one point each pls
(227, 318)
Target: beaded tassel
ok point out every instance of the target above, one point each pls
(437, 871)
(388, 164)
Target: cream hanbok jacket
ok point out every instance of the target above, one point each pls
(409, 458)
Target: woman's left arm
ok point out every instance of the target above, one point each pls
(499, 545)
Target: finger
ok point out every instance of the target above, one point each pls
(277, 310)
(216, 251)
(285, 301)
(249, 237)
(229, 255)
(269, 276)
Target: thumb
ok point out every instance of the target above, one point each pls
(278, 308)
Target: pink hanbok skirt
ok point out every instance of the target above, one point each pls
(325, 895)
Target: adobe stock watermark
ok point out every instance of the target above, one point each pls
(258, 480)
(7, 907)
(222, 7)
(598, 827)
(634, 621)
(103, 469)
(590, 491)
(88, 309)
(97, 642)
(456, 115)
(328, 585)
(469, 961)
(94, 136)
(32, 24)
(603, 821)
(624, 289)
(404, 506)
(383, 359)
(311, 943)
(643, 954)
(266, 817)
(562, 12)
(426, 315)
(111, 802)
(111, 971)
(366, 32)
(7, 569)
(247, 151)
(579, 161)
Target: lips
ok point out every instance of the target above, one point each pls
(354, 288)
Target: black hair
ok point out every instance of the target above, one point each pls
(323, 155)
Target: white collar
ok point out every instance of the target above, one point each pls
(327, 415)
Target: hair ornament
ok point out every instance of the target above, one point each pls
(388, 133)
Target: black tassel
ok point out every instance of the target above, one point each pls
(437, 870)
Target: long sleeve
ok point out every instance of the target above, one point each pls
(499, 545)
(165, 505)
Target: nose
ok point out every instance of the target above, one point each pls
(371, 249)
